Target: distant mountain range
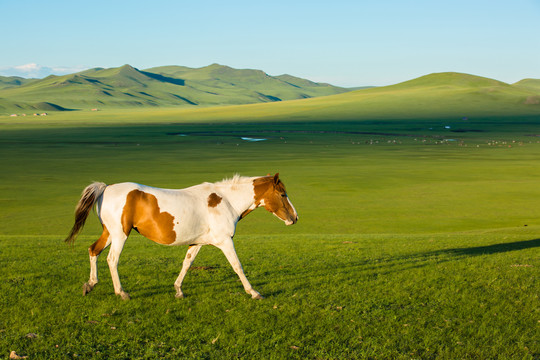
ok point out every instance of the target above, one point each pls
(440, 94)
(166, 86)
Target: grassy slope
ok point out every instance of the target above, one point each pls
(13, 81)
(215, 77)
(533, 84)
(128, 87)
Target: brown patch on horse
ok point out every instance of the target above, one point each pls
(269, 190)
(142, 212)
(214, 200)
(96, 248)
(261, 186)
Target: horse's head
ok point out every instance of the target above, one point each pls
(270, 192)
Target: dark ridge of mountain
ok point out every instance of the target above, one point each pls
(46, 106)
(174, 71)
(299, 82)
(163, 78)
(22, 107)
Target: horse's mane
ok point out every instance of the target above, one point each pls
(236, 179)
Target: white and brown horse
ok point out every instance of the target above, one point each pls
(204, 214)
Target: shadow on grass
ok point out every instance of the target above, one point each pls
(495, 248)
(372, 268)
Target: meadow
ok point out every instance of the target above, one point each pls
(417, 238)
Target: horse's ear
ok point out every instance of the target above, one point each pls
(276, 179)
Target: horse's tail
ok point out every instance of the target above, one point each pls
(88, 198)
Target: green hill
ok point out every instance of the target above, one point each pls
(449, 79)
(13, 81)
(252, 83)
(170, 86)
(529, 84)
(439, 94)
(435, 96)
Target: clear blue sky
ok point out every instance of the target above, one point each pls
(347, 43)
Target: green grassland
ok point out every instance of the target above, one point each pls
(417, 239)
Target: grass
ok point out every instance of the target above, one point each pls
(410, 245)
(462, 295)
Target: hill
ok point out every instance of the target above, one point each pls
(168, 86)
(436, 96)
(13, 81)
(529, 84)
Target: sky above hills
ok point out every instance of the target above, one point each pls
(342, 42)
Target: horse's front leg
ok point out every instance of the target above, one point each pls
(228, 249)
(188, 260)
(112, 259)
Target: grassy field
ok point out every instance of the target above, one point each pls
(417, 238)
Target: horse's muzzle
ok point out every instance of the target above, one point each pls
(292, 220)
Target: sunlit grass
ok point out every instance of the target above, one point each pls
(461, 295)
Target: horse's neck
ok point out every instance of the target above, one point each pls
(240, 195)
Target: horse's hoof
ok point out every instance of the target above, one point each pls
(124, 295)
(179, 295)
(257, 296)
(87, 288)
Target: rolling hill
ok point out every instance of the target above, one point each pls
(169, 86)
(440, 95)
(455, 96)
(13, 81)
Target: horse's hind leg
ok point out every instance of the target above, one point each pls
(94, 250)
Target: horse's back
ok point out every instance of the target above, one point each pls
(165, 216)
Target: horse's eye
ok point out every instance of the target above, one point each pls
(283, 195)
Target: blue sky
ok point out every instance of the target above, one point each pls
(346, 43)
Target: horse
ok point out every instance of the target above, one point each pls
(204, 214)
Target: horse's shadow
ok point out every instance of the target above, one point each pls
(493, 249)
